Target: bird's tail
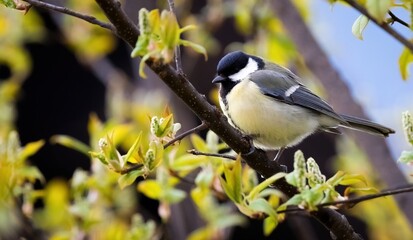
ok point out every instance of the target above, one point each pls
(366, 126)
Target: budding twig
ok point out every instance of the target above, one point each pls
(198, 128)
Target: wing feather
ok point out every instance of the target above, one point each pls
(276, 84)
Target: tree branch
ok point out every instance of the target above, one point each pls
(70, 12)
(352, 202)
(382, 25)
(397, 19)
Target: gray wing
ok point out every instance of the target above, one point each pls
(283, 86)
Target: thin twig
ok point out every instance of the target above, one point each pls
(178, 61)
(196, 152)
(397, 19)
(198, 128)
(349, 203)
(70, 12)
(352, 202)
(383, 25)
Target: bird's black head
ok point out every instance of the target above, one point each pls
(235, 66)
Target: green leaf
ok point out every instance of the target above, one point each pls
(378, 8)
(261, 205)
(196, 47)
(129, 157)
(150, 188)
(8, 3)
(129, 178)
(263, 185)
(165, 126)
(173, 195)
(188, 162)
(31, 174)
(198, 143)
(406, 157)
(359, 25)
(71, 143)
(170, 29)
(232, 173)
(405, 60)
(335, 180)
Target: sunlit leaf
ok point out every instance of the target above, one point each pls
(378, 8)
(71, 143)
(349, 179)
(405, 60)
(264, 184)
(196, 47)
(133, 149)
(188, 162)
(30, 149)
(150, 188)
(198, 143)
(129, 178)
(359, 25)
(269, 225)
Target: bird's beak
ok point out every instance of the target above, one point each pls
(219, 79)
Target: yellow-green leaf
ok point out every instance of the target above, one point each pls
(405, 60)
(129, 178)
(349, 179)
(71, 143)
(196, 47)
(269, 225)
(188, 162)
(198, 143)
(133, 150)
(370, 190)
(30, 149)
(150, 188)
(378, 8)
(359, 25)
(261, 205)
(267, 182)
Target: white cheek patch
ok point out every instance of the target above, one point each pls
(251, 67)
(291, 90)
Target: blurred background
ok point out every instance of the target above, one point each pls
(63, 69)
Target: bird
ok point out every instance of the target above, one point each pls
(267, 103)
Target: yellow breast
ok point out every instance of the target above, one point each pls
(271, 123)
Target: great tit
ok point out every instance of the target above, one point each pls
(268, 103)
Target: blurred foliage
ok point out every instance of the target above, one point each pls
(407, 121)
(382, 224)
(88, 41)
